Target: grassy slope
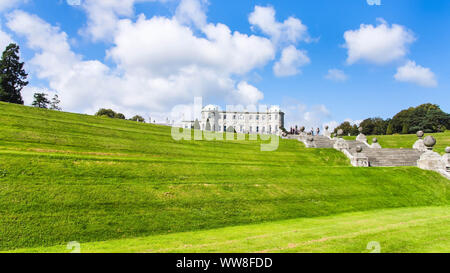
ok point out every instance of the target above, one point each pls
(396, 230)
(407, 141)
(68, 177)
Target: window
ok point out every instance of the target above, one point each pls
(241, 129)
(251, 129)
(250, 117)
(276, 117)
(257, 117)
(257, 129)
(263, 130)
(234, 116)
(224, 128)
(263, 117)
(270, 128)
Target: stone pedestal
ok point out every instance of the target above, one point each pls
(361, 138)
(360, 160)
(420, 146)
(375, 144)
(341, 144)
(431, 161)
(446, 159)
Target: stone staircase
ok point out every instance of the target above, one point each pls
(377, 157)
(323, 142)
(393, 157)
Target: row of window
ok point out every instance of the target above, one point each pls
(241, 129)
(241, 117)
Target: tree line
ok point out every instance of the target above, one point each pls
(426, 117)
(13, 78)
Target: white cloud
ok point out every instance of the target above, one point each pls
(297, 113)
(377, 44)
(246, 94)
(192, 12)
(160, 64)
(292, 30)
(5, 40)
(413, 73)
(336, 75)
(7, 4)
(290, 62)
(104, 15)
(168, 47)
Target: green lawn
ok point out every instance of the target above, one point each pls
(407, 141)
(69, 177)
(393, 230)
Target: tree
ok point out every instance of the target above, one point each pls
(196, 125)
(405, 129)
(106, 113)
(12, 75)
(109, 113)
(54, 105)
(40, 100)
(138, 119)
(120, 116)
(389, 129)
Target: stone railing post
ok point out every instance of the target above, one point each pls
(340, 143)
(446, 159)
(431, 160)
(419, 145)
(375, 144)
(326, 132)
(360, 159)
(361, 137)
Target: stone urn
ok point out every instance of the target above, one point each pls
(429, 142)
(430, 160)
(419, 144)
(375, 144)
(361, 137)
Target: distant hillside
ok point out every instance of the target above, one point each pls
(66, 177)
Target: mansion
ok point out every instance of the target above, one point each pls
(212, 119)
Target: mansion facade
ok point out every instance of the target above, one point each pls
(212, 119)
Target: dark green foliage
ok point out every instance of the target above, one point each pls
(426, 117)
(347, 128)
(109, 113)
(374, 126)
(12, 75)
(138, 119)
(54, 105)
(389, 130)
(40, 100)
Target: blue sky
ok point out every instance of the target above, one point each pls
(411, 67)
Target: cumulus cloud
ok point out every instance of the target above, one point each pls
(7, 4)
(297, 113)
(413, 73)
(160, 63)
(290, 62)
(5, 39)
(336, 75)
(103, 16)
(377, 44)
(292, 30)
(192, 12)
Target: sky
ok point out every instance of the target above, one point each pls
(322, 61)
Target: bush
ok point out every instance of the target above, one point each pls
(109, 113)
